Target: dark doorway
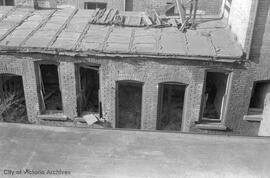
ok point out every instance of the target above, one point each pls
(129, 5)
(51, 99)
(215, 95)
(170, 106)
(12, 104)
(88, 90)
(129, 104)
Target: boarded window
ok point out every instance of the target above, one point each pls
(215, 95)
(95, 5)
(259, 92)
(171, 104)
(50, 94)
(88, 90)
(129, 104)
(12, 103)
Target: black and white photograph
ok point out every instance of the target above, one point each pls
(135, 88)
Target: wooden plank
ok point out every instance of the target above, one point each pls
(37, 28)
(85, 30)
(62, 28)
(181, 10)
(16, 25)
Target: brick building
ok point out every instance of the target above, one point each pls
(214, 79)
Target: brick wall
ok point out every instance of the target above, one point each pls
(258, 65)
(206, 6)
(150, 72)
(241, 20)
(25, 3)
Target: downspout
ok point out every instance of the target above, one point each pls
(252, 21)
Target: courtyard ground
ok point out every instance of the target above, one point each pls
(117, 154)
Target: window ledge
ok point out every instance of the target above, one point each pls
(211, 126)
(53, 117)
(254, 118)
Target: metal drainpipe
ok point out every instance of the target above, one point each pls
(256, 4)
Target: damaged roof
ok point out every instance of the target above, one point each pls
(73, 31)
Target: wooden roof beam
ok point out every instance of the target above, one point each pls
(62, 28)
(29, 14)
(37, 28)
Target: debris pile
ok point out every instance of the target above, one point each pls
(150, 17)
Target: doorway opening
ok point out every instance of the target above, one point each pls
(170, 106)
(215, 96)
(129, 104)
(12, 104)
(50, 93)
(88, 88)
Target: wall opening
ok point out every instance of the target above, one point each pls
(129, 104)
(6, 2)
(50, 94)
(12, 104)
(170, 106)
(215, 96)
(259, 92)
(129, 5)
(88, 88)
(95, 5)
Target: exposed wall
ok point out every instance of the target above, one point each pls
(241, 20)
(259, 64)
(150, 72)
(206, 6)
(25, 3)
(23, 67)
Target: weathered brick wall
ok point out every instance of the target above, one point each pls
(258, 68)
(239, 20)
(150, 72)
(25, 3)
(208, 7)
(212, 7)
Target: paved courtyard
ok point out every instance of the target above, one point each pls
(41, 151)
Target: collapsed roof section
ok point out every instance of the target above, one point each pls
(72, 31)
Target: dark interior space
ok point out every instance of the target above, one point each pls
(50, 89)
(214, 95)
(12, 105)
(171, 104)
(259, 93)
(95, 5)
(129, 105)
(6, 2)
(88, 93)
(129, 5)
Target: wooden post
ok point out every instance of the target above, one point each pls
(195, 2)
(182, 11)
